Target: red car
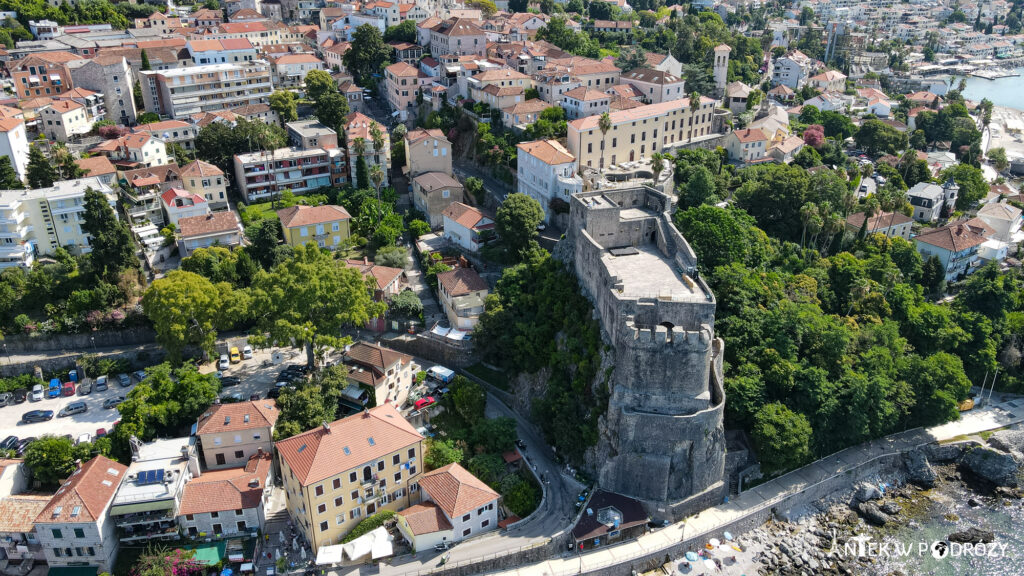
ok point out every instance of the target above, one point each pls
(424, 402)
(68, 389)
(101, 432)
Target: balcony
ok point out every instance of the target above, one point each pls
(371, 481)
(164, 531)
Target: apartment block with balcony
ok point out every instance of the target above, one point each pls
(359, 128)
(43, 219)
(181, 92)
(547, 173)
(339, 473)
(389, 373)
(145, 507)
(264, 175)
(42, 74)
(463, 293)
(141, 189)
(230, 502)
(230, 434)
(75, 528)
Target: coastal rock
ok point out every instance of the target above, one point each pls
(948, 452)
(1008, 492)
(919, 471)
(1009, 441)
(972, 536)
(866, 491)
(993, 465)
(973, 502)
(872, 513)
(890, 508)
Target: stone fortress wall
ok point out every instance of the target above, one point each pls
(662, 440)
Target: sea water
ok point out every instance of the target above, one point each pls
(1002, 92)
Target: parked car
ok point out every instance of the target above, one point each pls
(254, 396)
(300, 368)
(23, 445)
(20, 395)
(9, 443)
(274, 393)
(85, 388)
(235, 355)
(67, 389)
(422, 430)
(230, 381)
(223, 363)
(424, 402)
(112, 402)
(37, 393)
(83, 438)
(6, 398)
(101, 383)
(101, 432)
(73, 408)
(140, 375)
(247, 352)
(54, 390)
(124, 380)
(37, 416)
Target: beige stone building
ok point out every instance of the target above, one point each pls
(230, 434)
(339, 473)
(458, 36)
(391, 374)
(639, 132)
(462, 292)
(432, 192)
(427, 151)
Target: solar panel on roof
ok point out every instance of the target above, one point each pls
(150, 477)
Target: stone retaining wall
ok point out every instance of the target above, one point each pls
(85, 341)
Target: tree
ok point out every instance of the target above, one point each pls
(9, 179)
(50, 459)
(440, 453)
(996, 155)
(810, 114)
(782, 438)
(517, 220)
(631, 57)
(284, 104)
(265, 236)
(331, 110)
(604, 124)
(875, 136)
(403, 32)
(368, 55)
(971, 180)
(814, 136)
(393, 256)
(418, 228)
(362, 172)
(303, 409)
(475, 188)
(145, 61)
(309, 298)
(319, 83)
(807, 157)
(406, 304)
(41, 172)
(187, 309)
(933, 275)
(112, 247)
(218, 143)
(140, 104)
(168, 400)
(700, 188)
(468, 400)
(487, 7)
(721, 236)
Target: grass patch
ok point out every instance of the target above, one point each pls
(605, 52)
(256, 212)
(491, 376)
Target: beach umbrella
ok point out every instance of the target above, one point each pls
(280, 536)
(727, 535)
(227, 572)
(691, 556)
(277, 554)
(715, 542)
(295, 543)
(302, 552)
(710, 564)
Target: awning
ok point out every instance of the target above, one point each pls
(209, 554)
(73, 571)
(329, 554)
(33, 79)
(376, 543)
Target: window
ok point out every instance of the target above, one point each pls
(466, 532)
(339, 519)
(380, 466)
(321, 508)
(90, 551)
(398, 477)
(323, 526)
(485, 523)
(56, 533)
(352, 477)
(189, 517)
(335, 227)
(319, 490)
(338, 501)
(240, 525)
(354, 495)
(303, 231)
(445, 193)
(214, 514)
(239, 454)
(79, 533)
(467, 517)
(218, 529)
(337, 483)
(412, 470)
(412, 453)
(355, 513)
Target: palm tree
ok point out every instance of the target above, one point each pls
(807, 212)
(378, 139)
(377, 177)
(657, 164)
(858, 291)
(694, 107)
(604, 123)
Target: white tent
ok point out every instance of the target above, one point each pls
(329, 555)
(376, 543)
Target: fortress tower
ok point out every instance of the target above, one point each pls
(720, 69)
(662, 439)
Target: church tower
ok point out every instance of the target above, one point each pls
(720, 70)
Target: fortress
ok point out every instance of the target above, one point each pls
(662, 439)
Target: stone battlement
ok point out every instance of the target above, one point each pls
(674, 335)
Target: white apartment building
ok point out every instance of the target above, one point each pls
(230, 434)
(63, 120)
(791, 70)
(261, 175)
(547, 171)
(41, 220)
(181, 92)
(75, 528)
(655, 85)
(14, 144)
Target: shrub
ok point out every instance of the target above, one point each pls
(369, 524)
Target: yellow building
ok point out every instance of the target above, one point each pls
(326, 226)
(339, 473)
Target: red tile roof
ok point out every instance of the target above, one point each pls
(84, 496)
(425, 518)
(306, 215)
(231, 489)
(550, 152)
(236, 416)
(456, 491)
(954, 238)
(345, 444)
(461, 281)
(96, 165)
(384, 275)
(208, 224)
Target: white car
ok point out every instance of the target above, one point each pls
(37, 393)
(82, 439)
(247, 353)
(224, 363)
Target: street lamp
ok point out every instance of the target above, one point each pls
(93, 340)
(7, 353)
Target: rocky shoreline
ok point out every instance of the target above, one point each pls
(819, 540)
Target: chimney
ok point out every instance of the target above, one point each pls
(366, 413)
(327, 428)
(366, 261)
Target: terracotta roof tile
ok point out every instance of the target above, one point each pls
(18, 513)
(231, 489)
(96, 166)
(461, 281)
(955, 237)
(307, 215)
(456, 491)
(84, 496)
(384, 275)
(200, 169)
(208, 224)
(550, 152)
(223, 418)
(345, 444)
(425, 518)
